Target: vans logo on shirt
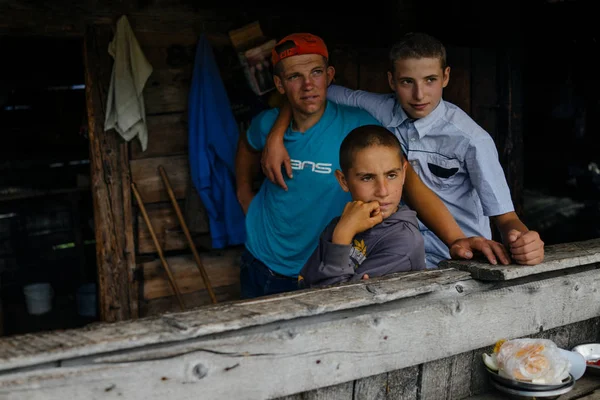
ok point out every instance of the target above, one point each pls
(319, 168)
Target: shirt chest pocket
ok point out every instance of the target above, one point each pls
(443, 172)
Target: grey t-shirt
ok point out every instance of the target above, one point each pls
(394, 245)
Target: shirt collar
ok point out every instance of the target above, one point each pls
(422, 125)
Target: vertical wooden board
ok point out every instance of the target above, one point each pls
(458, 90)
(145, 175)
(460, 375)
(583, 332)
(110, 179)
(345, 62)
(343, 391)
(435, 378)
(291, 397)
(479, 376)
(403, 384)
(559, 335)
(372, 72)
(194, 211)
(167, 135)
(168, 50)
(484, 93)
(371, 388)
(168, 230)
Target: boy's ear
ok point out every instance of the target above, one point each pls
(278, 84)
(339, 175)
(446, 78)
(330, 74)
(391, 81)
(404, 166)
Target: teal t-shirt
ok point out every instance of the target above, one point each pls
(283, 228)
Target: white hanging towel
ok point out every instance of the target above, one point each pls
(125, 105)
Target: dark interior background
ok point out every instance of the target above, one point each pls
(43, 122)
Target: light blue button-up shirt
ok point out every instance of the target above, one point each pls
(451, 153)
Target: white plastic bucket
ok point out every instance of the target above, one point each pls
(86, 300)
(38, 298)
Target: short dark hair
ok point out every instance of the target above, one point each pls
(366, 136)
(417, 45)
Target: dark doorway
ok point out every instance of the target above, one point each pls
(46, 211)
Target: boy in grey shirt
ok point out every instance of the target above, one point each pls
(375, 235)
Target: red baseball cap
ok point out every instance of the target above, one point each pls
(297, 44)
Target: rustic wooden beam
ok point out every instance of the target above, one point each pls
(557, 257)
(109, 164)
(312, 347)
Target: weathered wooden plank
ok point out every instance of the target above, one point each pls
(479, 376)
(318, 352)
(435, 379)
(557, 257)
(585, 332)
(460, 375)
(371, 388)
(110, 179)
(403, 384)
(343, 391)
(222, 268)
(144, 173)
(458, 90)
(223, 317)
(164, 51)
(167, 90)
(167, 135)
(199, 298)
(168, 230)
(63, 18)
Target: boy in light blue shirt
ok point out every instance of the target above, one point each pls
(452, 154)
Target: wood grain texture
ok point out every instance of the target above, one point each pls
(144, 172)
(15, 351)
(176, 355)
(557, 257)
(168, 230)
(222, 267)
(167, 135)
(109, 166)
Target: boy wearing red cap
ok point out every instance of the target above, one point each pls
(453, 155)
(283, 226)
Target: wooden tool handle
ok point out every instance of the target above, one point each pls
(157, 244)
(186, 231)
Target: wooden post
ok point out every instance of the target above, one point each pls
(110, 176)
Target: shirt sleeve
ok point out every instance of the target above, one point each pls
(329, 263)
(380, 106)
(487, 176)
(259, 128)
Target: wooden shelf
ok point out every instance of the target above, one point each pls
(28, 194)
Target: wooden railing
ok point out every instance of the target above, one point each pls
(416, 335)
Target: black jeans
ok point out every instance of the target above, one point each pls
(257, 279)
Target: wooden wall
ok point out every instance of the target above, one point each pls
(167, 32)
(165, 96)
